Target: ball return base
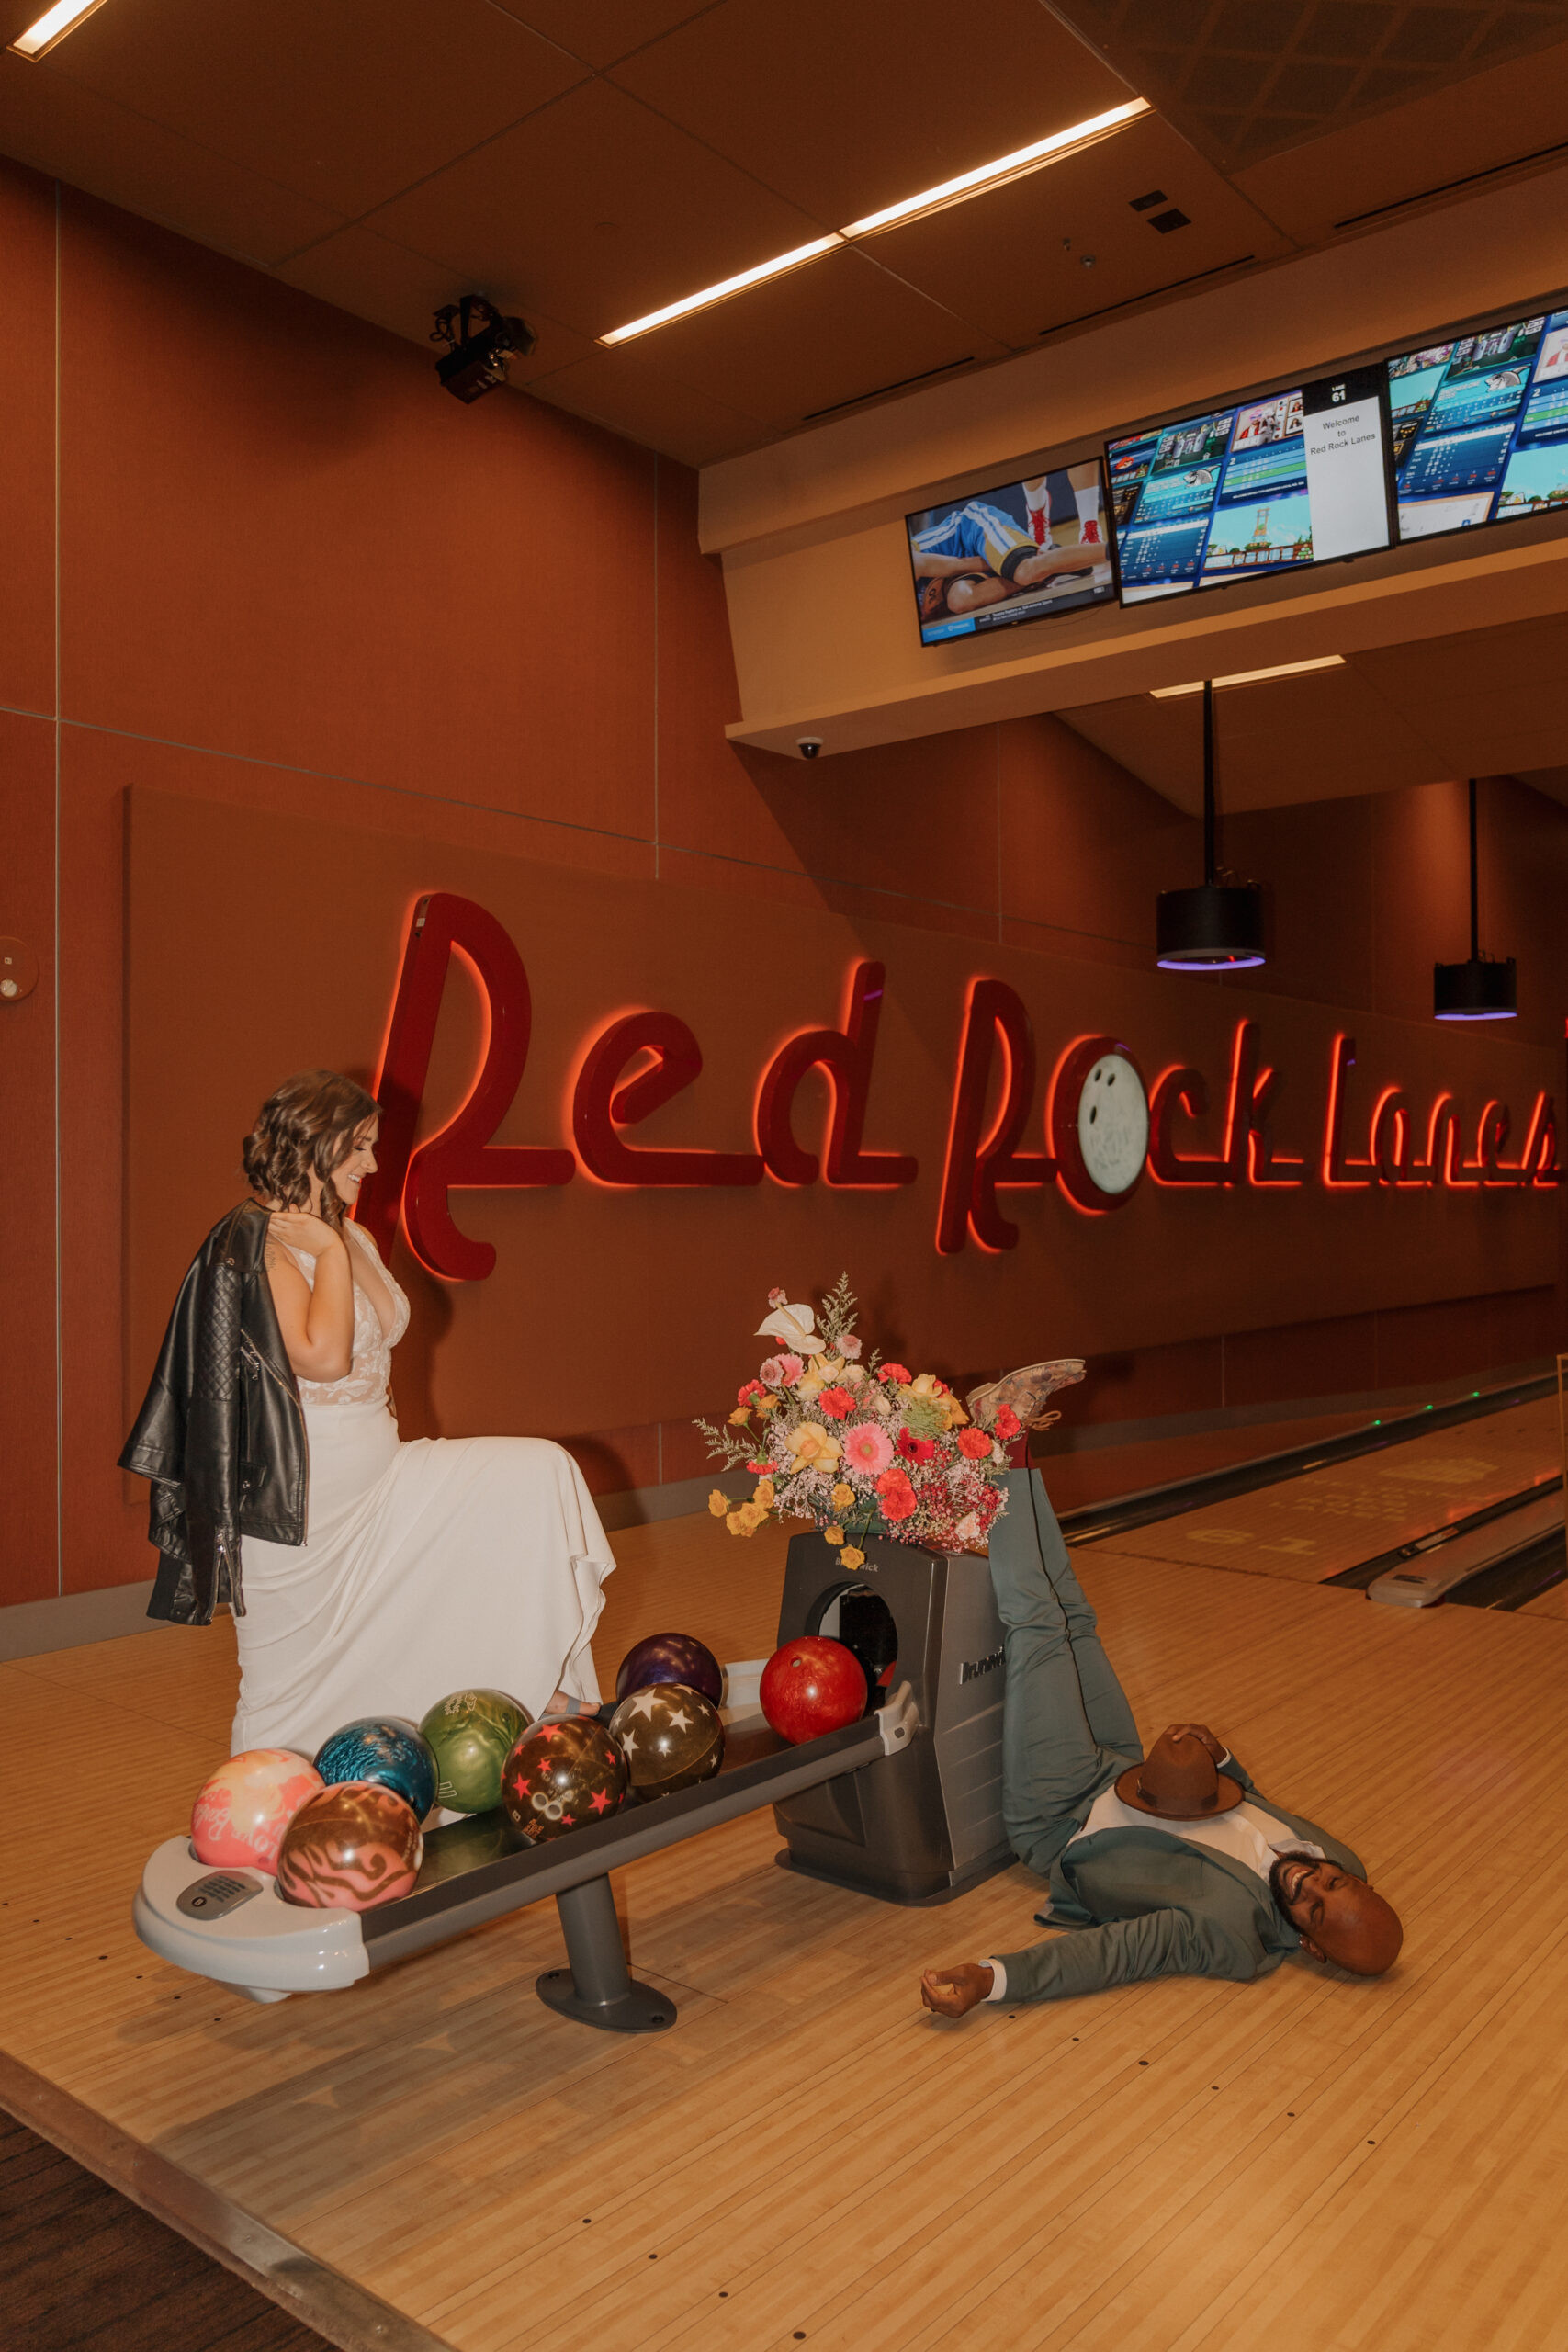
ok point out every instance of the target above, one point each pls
(598, 1988)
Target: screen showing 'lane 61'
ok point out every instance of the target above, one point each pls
(1481, 427)
(1263, 486)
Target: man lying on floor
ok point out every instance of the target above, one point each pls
(1169, 1867)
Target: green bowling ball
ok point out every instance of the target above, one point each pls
(473, 1733)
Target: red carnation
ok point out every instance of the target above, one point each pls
(836, 1402)
(896, 1495)
(1008, 1423)
(896, 1372)
(750, 1392)
(915, 1449)
(974, 1443)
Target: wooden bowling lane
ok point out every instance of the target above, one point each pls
(1323, 1521)
(1303, 2162)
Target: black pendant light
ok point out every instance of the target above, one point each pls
(1481, 987)
(1218, 926)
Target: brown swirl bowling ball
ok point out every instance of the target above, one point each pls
(671, 1737)
(350, 1847)
(560, 1776)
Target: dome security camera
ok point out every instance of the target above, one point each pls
(808, 746)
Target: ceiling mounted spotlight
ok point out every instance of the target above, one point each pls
(478, 340)
(1482, 988)
(1218, 927)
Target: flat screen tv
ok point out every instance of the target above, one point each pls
(1020, 553)
(1253, 488)
(1481, 427)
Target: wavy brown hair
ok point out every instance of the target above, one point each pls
(306, 1127)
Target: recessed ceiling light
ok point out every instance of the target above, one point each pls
(931, 200)
(53, 26)
(725, 287)
(1251, 677)
(1006, 167)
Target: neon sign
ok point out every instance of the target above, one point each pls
(643, 1058)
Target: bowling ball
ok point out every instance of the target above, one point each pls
(381, 1749)
(812, 1685)
(560, 1776)
(670, 1657)
(670, 1737)
(471, 1734)
(243, 1809)
(350, 1847)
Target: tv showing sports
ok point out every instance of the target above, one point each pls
(1022, 553)
(1481, 427)
(1257, 487)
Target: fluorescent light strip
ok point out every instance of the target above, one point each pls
(52, 27)
(932, 199)
(1250, 677)
(725, 286)
(1006, 167)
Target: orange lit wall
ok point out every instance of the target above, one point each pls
(254, 563)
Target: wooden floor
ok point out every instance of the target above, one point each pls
(1316, 1525)
(82, 2270)
(1307, 2162)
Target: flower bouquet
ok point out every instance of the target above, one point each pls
(859, 1446)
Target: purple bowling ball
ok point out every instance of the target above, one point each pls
(670, 1657)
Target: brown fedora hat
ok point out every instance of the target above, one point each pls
(1179, 1780)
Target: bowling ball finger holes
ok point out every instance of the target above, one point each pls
(860, 1618)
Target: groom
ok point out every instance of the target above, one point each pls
(1170, 1866)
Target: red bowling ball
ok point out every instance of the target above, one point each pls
(812, 1685)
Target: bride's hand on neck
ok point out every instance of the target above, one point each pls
(311, 1236)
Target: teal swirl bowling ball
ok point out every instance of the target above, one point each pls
(386, 1750)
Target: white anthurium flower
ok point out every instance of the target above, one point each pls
(794, 1327)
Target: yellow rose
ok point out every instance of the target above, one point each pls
(742, 1413)
(718, 1504)
(765, 1494)
(814, 1447)
(849, 1557)
(842, 1497)
(834, 1534)
(748, 1519)
(732, 1521)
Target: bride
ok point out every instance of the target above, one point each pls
(427, 1566)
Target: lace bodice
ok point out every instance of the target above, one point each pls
(368, 1376)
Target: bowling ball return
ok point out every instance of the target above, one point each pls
(234, 1927)
(904, 1805)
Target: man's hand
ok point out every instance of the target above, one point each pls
(1216, 1747)
(953, 1992)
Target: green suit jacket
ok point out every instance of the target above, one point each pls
(1151, 1904)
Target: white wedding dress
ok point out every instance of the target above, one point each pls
(427, 1567)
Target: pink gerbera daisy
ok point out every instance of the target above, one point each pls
(867, 1450)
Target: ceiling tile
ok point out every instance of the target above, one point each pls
(1516, 109)
(345, 104)
(70, 133)
(1014, 259)
(601, 30)
(394, 288)
(1322, 737)
(625, 389)
(839, 330)
(838, 112)
(597, 210)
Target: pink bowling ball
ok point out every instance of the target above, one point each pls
(241, 1812)
(349, 1848)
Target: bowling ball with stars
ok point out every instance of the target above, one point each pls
(671, 1737)
(560, 1776)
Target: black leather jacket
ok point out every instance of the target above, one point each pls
(221, 1434)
